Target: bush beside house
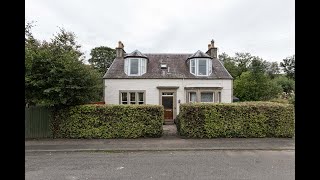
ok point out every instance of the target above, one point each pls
(108, 121)
(246, 119)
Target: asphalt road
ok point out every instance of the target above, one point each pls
(217, 164)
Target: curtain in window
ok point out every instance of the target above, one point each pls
(143, 66)
(192, 97)
(209, 66)
(126, 64)
(206, 97)
(193, 66)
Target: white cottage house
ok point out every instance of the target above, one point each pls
(167, 79)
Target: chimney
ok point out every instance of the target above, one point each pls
(212, 51)
(119, 50)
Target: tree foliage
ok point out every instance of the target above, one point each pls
(229, 64)
(101, 58)
(243, 62)
(251, 86)
(288, 66)
(272, 69)
(287, 84)
(55, 73)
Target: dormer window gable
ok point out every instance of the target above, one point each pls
(200, 64)
(135, 64)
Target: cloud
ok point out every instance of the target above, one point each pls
(264, 28)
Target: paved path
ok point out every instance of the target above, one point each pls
(159, 144)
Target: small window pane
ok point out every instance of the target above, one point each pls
(132, 98)
(126, 62)
(140, 96)
(219, 96)
(134, 64)
(202, 67)
(124, 96)
(193, 66)
(206, 97)
(192, 97)
(143, 66)
(210, 66)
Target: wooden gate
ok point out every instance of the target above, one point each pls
(37, 122)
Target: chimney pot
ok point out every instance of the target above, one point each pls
(119, 50)
(212, 43)
(212, 51)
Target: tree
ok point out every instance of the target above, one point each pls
(101, 58)
(258, 65)
(229, 63)
(55, 74)
(243, 62)
(251, 86)
(287, 85)
(272, 69)
(288, 66)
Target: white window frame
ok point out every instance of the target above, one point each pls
(213, 94)
(216, 95)
(142, 66)
(189, 94)
(136, 100)
(196, 62)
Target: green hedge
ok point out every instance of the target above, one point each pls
(108, 121)
(245, 119)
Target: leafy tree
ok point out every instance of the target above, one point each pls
(101, 58)
(272, 69)
(243, 61)
(288, 66)
(287, 85)
(55, 74)
(229, 63)
(251, 86)
(258, 65)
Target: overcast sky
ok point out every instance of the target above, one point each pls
(264, 28)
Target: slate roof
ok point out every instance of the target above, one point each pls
(135, 53)
(199, 54)
(177, 64)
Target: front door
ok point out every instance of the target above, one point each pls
(167, 102)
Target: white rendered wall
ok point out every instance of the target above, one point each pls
(113, 86)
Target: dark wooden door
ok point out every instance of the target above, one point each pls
(167, 102)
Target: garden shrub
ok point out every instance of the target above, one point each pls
(108, 121)
(245, 119)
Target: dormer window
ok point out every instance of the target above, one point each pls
(135, 66)
(201, 66)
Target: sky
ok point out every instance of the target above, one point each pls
(264, 28)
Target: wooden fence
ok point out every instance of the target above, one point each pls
(37, 122)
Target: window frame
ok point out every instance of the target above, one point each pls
(136, 100)
(196, 66)
(211, 92)
(189, 96)
(198, 92)
(142, 66)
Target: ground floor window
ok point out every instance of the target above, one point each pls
(132, 97)
(207, 97)
(203, 95)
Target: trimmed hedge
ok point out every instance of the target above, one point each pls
(108, 121)
(245, 119)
